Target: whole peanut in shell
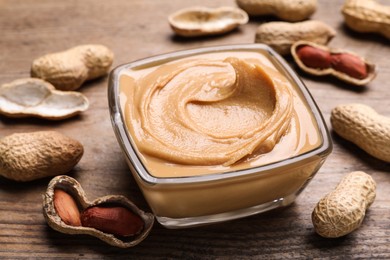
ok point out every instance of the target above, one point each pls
(282, 35)
(342, 211)
(288, 10)
(363, 126)
(30, 156)
(68, 70)
(367, 16)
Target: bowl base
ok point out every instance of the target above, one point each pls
(176, 223)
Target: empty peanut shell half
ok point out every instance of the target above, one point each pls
(200, 21)
(320, 60)
(31, 97)
(114, 219)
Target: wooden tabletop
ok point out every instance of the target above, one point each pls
(136, 29)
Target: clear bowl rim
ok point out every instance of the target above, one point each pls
(127, 146)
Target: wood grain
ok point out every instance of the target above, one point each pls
(137, 29)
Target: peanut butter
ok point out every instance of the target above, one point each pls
(213, 113)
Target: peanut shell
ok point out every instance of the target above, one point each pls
(342, 211)
(367, 16)
(287, 10)
(200, 21)
(69, 69)
(362, 125)
(30, 97)
(30, 156)
(74, 188)
(282, 35)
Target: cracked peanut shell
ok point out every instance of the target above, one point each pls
(370, 67)
(31, 97)
(74, 188)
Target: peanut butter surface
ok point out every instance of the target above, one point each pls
(212, 113)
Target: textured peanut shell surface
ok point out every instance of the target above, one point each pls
(30, 97)
(68, 70)
(342, 210)
(287, 10)
(30, 156)
(367, 16)
(362, 125)
(74, 188)
(200, 21)
(371, 68)
(282, 35)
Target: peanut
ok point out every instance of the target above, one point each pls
(313, 57)
(30, 156)
(282, 35)
(69, 69)
(288, 10)
(349, 64)
(66, 208)
(112, 218)
(118, 221)
(367, 16)
(363, 126)
(342, 210)
(320, 60)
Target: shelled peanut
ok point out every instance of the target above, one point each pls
(342, 211)
(320, 60)
(113, 218)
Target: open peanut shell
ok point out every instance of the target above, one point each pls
(30, 97)
(200, 21)
(73, 188)
(371, 68)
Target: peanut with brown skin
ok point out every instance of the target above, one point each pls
(349, 64)
(118, 221)
(343, 210)
(314, 58)
(320, 60)
(66, 208)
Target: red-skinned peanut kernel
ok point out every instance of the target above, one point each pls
(349, 64)
(314, 57)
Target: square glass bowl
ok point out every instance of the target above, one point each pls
(223, 193)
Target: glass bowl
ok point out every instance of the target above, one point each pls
(222, 193)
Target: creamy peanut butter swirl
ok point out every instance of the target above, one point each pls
(208, 112)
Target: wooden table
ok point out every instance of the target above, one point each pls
(137, 29)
